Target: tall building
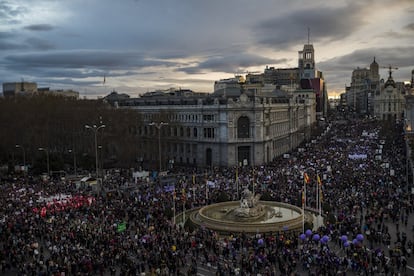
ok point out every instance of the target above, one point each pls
(306, 61)
(290, 78)
(409, 130)
(280, 76)
(363, 89)
(390, 102)
(16, 88)
(412, 78)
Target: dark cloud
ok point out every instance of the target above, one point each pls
(338, 71)
(397, 56)
(325, 23)
(7, 42)
(151, 40)
(6, 35)
(409, 27)
(85, 59)
(7, 45)
(39, 44)
(230, 63)
(39, 27)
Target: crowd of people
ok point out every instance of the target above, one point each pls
(54, 228)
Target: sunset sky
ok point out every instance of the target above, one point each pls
(143, 45)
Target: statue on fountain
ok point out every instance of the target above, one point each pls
(249, 205)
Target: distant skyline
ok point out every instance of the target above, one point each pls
(142, 45)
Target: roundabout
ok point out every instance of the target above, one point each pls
(249, 215)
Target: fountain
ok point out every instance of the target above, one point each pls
(250, 215)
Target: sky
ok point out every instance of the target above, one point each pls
(136, 46)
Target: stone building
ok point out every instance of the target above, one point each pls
(390, 102)
(230, 127)
(363, 89)
(25, 88)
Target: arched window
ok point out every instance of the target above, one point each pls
(188, 132)
(195, 132)
(243, 127)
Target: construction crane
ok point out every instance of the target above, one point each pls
(390, 68)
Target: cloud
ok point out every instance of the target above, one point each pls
(409, 27)
(397, 56)
(230, 63)
(9, 12)
(104, 59)
(338, 70)
(7, 42)
(39, 44)
(325, 23)
(39, 27)
(81, 40)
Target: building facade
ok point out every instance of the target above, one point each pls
(287, 78)
(365, 85)
(15, 88)
(390, 102)
(225, 128)
(23, 88)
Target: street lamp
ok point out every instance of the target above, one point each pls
(159, 126)
(100, 163)
(47, 159)
(24, 157)
(74, 161)
(95, 129)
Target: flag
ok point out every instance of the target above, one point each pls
(306, 178)
(320, 195)
(319, 180)
(183, 195)
(43, 212)
(121, 227)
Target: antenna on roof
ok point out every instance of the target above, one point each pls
(308, 35)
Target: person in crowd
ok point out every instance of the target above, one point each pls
(54, 228)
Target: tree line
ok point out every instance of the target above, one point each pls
(57, 125)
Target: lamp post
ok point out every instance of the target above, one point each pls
(24, 157)
(74, 161)
(47, 159)
(95, 129)
(159, 126)
(100, 159)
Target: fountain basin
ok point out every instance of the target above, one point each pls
(277, 216)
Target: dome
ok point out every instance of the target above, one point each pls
(390, 82)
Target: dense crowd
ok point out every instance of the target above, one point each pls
(54, 228)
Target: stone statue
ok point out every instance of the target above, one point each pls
(249, 206)
(248, 200)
